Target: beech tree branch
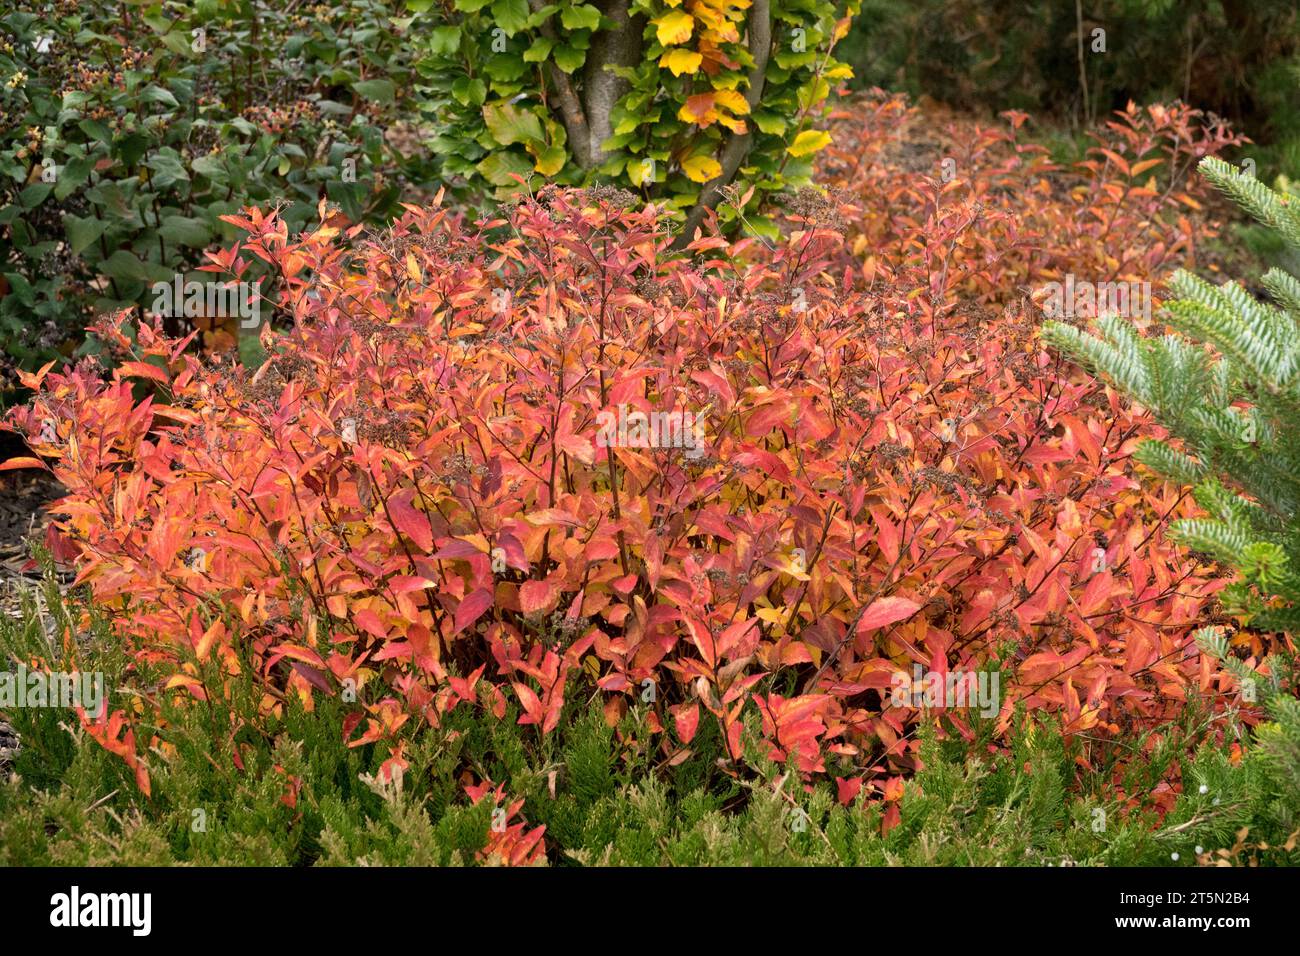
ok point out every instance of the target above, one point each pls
(737, 145)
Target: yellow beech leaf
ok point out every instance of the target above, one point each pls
(681, 61)
(702, 168)
(809, 141)
(731, 100)
(675, 26)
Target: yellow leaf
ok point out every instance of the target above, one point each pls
(809, 141)
(681, 61)
(702, 168)
(412, 268)
(731, 100)
(641, 171)
(478, 540)
(674, 27)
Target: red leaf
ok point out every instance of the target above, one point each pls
(537, 596)
(411, 521)
(885, 611)
(687, 719)
(472, 608)
(13, 464)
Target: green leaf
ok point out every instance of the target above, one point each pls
(469, 92)
(72, 176)
(209, 165)
(186, 231)
(509, 124)
(177, 43)
(510, 15)
(585, 17)
(96, 130)
(167, 168)
(82, 232)
(35, 194)
(504, 67)
(539, 51)
(153, 93)
(124, 265)
(550, 159)
(443, 40)
(498, 167)
(769, 123)
(568, 59)
(541, 15)
(132, 147)
(471, 6)
(808, 142)
(381, 91)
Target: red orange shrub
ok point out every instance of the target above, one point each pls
(413, 493)
(983, 203)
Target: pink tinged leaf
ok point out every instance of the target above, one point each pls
(531, 703)
(368, 621)
(887, 610)
(456, 548)
(687, 719)
(411, 521)
(472, 608)
(537, 596)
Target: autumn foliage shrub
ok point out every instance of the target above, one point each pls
(418, 502)
(984, 211)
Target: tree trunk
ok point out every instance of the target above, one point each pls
(601, 88)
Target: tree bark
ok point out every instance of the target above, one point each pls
(576, 127)
(601, 87)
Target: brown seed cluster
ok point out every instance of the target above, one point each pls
(611, 195)
(381, 426)
(272, 381)
(816, 209)
(892, 451)
(568, 627)
(460, 468)
(366, 327)
(947, 481)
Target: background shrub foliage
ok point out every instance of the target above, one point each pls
(130, 130)
(1236, 57)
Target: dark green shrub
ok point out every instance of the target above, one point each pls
(130, 131)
